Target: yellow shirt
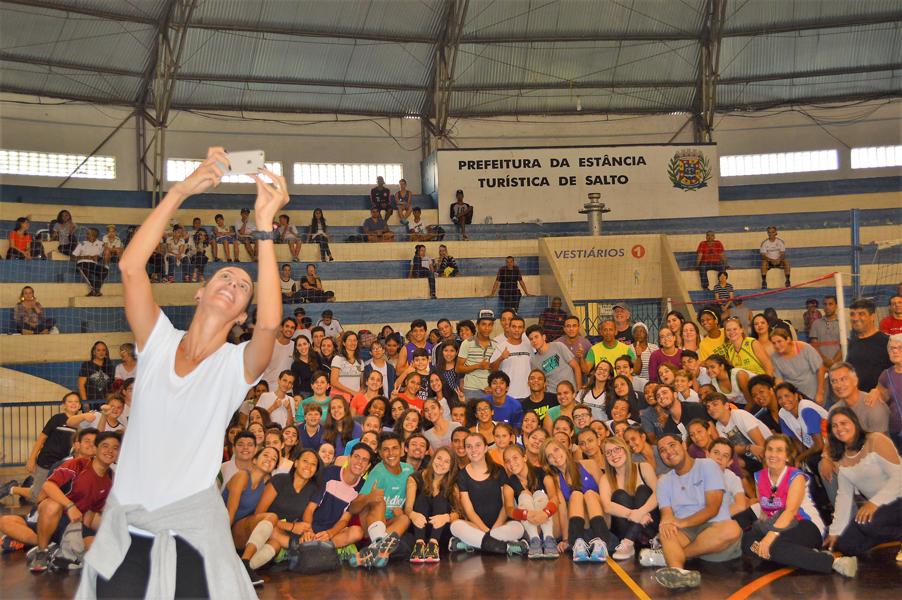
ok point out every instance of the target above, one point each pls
(709, 345)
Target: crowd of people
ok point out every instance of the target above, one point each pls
(536, 443)
(725, 438)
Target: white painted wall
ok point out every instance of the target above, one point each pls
(47, 125)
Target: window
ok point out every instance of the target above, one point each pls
(786, 162)
(325, 174)
(15, 162)
(179, 168)
(879, 156)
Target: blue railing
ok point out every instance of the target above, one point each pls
(20, 425)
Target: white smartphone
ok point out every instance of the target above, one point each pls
(245, 162)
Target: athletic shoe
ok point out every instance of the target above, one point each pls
(282, 556)
(655, 544)
(40, 561)
(580, 551)
(652, 558)
(387, 545)
(256, 580)
(788, 284)
(7, 544)
(345, 554)
(675, 579)
(466, 239)
(7, 488)
(29, 481)
(457, 545)
(517, 548)
(29, 556)
(599, 551)
(295, 259)
(624, 551)
(549, 548)
(366, 558)
(419, 552)
(431, 555)
(535, 548)
(404, 221)
(763, 285)
(846, 566)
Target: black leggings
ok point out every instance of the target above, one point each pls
(156, 262)
(94, 273)
(15, 254)
(42, 326)
(131, 578)
(315, 295)
(323, 246)
(626, 529)
(429, 507)
(198, 261)
(885, 526)
(796, 547)
(423, 272)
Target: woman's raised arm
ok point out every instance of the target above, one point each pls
(140, 308)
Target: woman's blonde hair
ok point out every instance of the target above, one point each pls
(632, 469)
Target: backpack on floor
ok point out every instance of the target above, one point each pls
(356, 239)
(308, 558)
(439, 233)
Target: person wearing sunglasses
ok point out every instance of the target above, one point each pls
(790, 530)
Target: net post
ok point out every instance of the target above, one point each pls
(841, 312)
(856, 256)
(669, 306)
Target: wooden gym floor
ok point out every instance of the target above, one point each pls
(462, 576)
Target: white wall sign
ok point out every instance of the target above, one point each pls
(517, 185)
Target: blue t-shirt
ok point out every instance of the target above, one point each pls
(685, 494)
(809, 422)
(510, 412)
(339, 439)
(333, 498)
(394, 486)
(309, 441)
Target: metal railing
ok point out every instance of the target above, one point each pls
(20, 425)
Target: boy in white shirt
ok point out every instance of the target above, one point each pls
(112, 246)
(89, 255)
(280, 404)
(288, 234)
(222, 234)
(244, 232)
(418, 228)
(740, 427)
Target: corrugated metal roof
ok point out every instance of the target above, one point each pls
(517, 56)
(816, 50)
(44, 34)
(69, 83)
(579, 62)
(295, 97)
(768, 15)
(528, 18)
(304, 58)
(420, 18)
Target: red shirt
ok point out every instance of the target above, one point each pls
(711, 253)
(891, 325)
(82, 485)
(19, 241)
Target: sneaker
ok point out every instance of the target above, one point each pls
(404, 221)
(549, 548)
(655, 544)
(29, 556)
(788, 284)
(40, 561)
(366, 558)
(345, 554)
(282, 556)
(29, 481)
(7, 488)
(217, 259)
(466, 239)
(7, 544)
(387, 545)
(624, 551)
(580, 551)
(419, 552)
(519, 547)
(187, 279)
(535, 548)
(652, 558)
(763, 285)
(256, 580)
(431, 555)
(295, 259)
(331, 258)
(675, 579)
(846, 566)
(599, 551)
(171, 279)
(457, 545)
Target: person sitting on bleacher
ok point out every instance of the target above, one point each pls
(446, 266)
(112, 246)
(196, 253)
(773, 256)
(20, 241)
(222, 234)
(376, 229)
(89, 255)
(710, 257)
(419, 228)
(461, 214)
(244, 232)
(380, 197)
(63, 231)
(29, 315)
(175, 252)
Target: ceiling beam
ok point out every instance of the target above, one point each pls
(55, 64)
(862, 97)
(79, 10)
(292, 31)
(832, 24)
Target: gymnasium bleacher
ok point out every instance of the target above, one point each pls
(370, 282)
